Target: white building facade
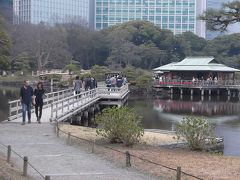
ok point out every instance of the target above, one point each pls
(176, 15)
(51, 11)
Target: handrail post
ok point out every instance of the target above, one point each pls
(56, 109)
(128, 161)
(68, 103)
(62, 106)
(47, 178)
(69, 139)
(25, 165)
(51, 118)
(8, 153)
(9, 113)
(57, 130)
(93, 146)
(178, 173)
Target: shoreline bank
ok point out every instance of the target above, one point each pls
(201, 164)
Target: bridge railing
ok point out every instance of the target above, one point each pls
(70, 105)
(15, 107)
(198, 83)
(59, 100)
(73, 104)
(113, 92)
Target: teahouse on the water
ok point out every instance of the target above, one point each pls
(201, 68)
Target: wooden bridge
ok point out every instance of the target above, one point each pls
(61, 105)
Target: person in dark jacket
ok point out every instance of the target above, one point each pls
(26, 95)
(38, 93)
(77, 85)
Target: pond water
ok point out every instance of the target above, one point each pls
(164, 112)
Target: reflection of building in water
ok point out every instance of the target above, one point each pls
(198, 108)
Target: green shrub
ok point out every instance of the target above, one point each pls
(55, 77)
(120, 125)
(144, 82)
(99, 72)
(196, 131)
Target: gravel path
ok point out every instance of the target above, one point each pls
(51, 156)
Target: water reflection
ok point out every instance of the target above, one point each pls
(206, 108)
(164, 113)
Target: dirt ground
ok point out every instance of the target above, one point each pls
(201, 164)
(8, 171)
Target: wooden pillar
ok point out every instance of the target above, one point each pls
(171, 91)
(202, 98)
(79, 118)
(181, 91)
(191, 92)
(218, 92)
(86, 118)
(209, 98)
(209, 92)
(228, 92)
(202, 92)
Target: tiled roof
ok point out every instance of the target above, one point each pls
(196, 64)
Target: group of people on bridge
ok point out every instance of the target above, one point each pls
(115, 81)
(88, 83)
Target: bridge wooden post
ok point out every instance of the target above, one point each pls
(86, 116)
(9, 112)
(228, 92)
(191, 92)
(181, 91)
(62, 106)
(51, 118)
(56, 110)
(209, 98)
(68, 104)
(218, 92)
(209, 92)
(202, 92)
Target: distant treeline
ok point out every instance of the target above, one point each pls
(139, 44)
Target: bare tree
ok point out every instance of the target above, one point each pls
(45, 45)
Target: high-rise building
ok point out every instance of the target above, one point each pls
(6, 9)
(176, 15)
(51, 11)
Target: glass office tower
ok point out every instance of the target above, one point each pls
(51, 11)
(176, 15)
